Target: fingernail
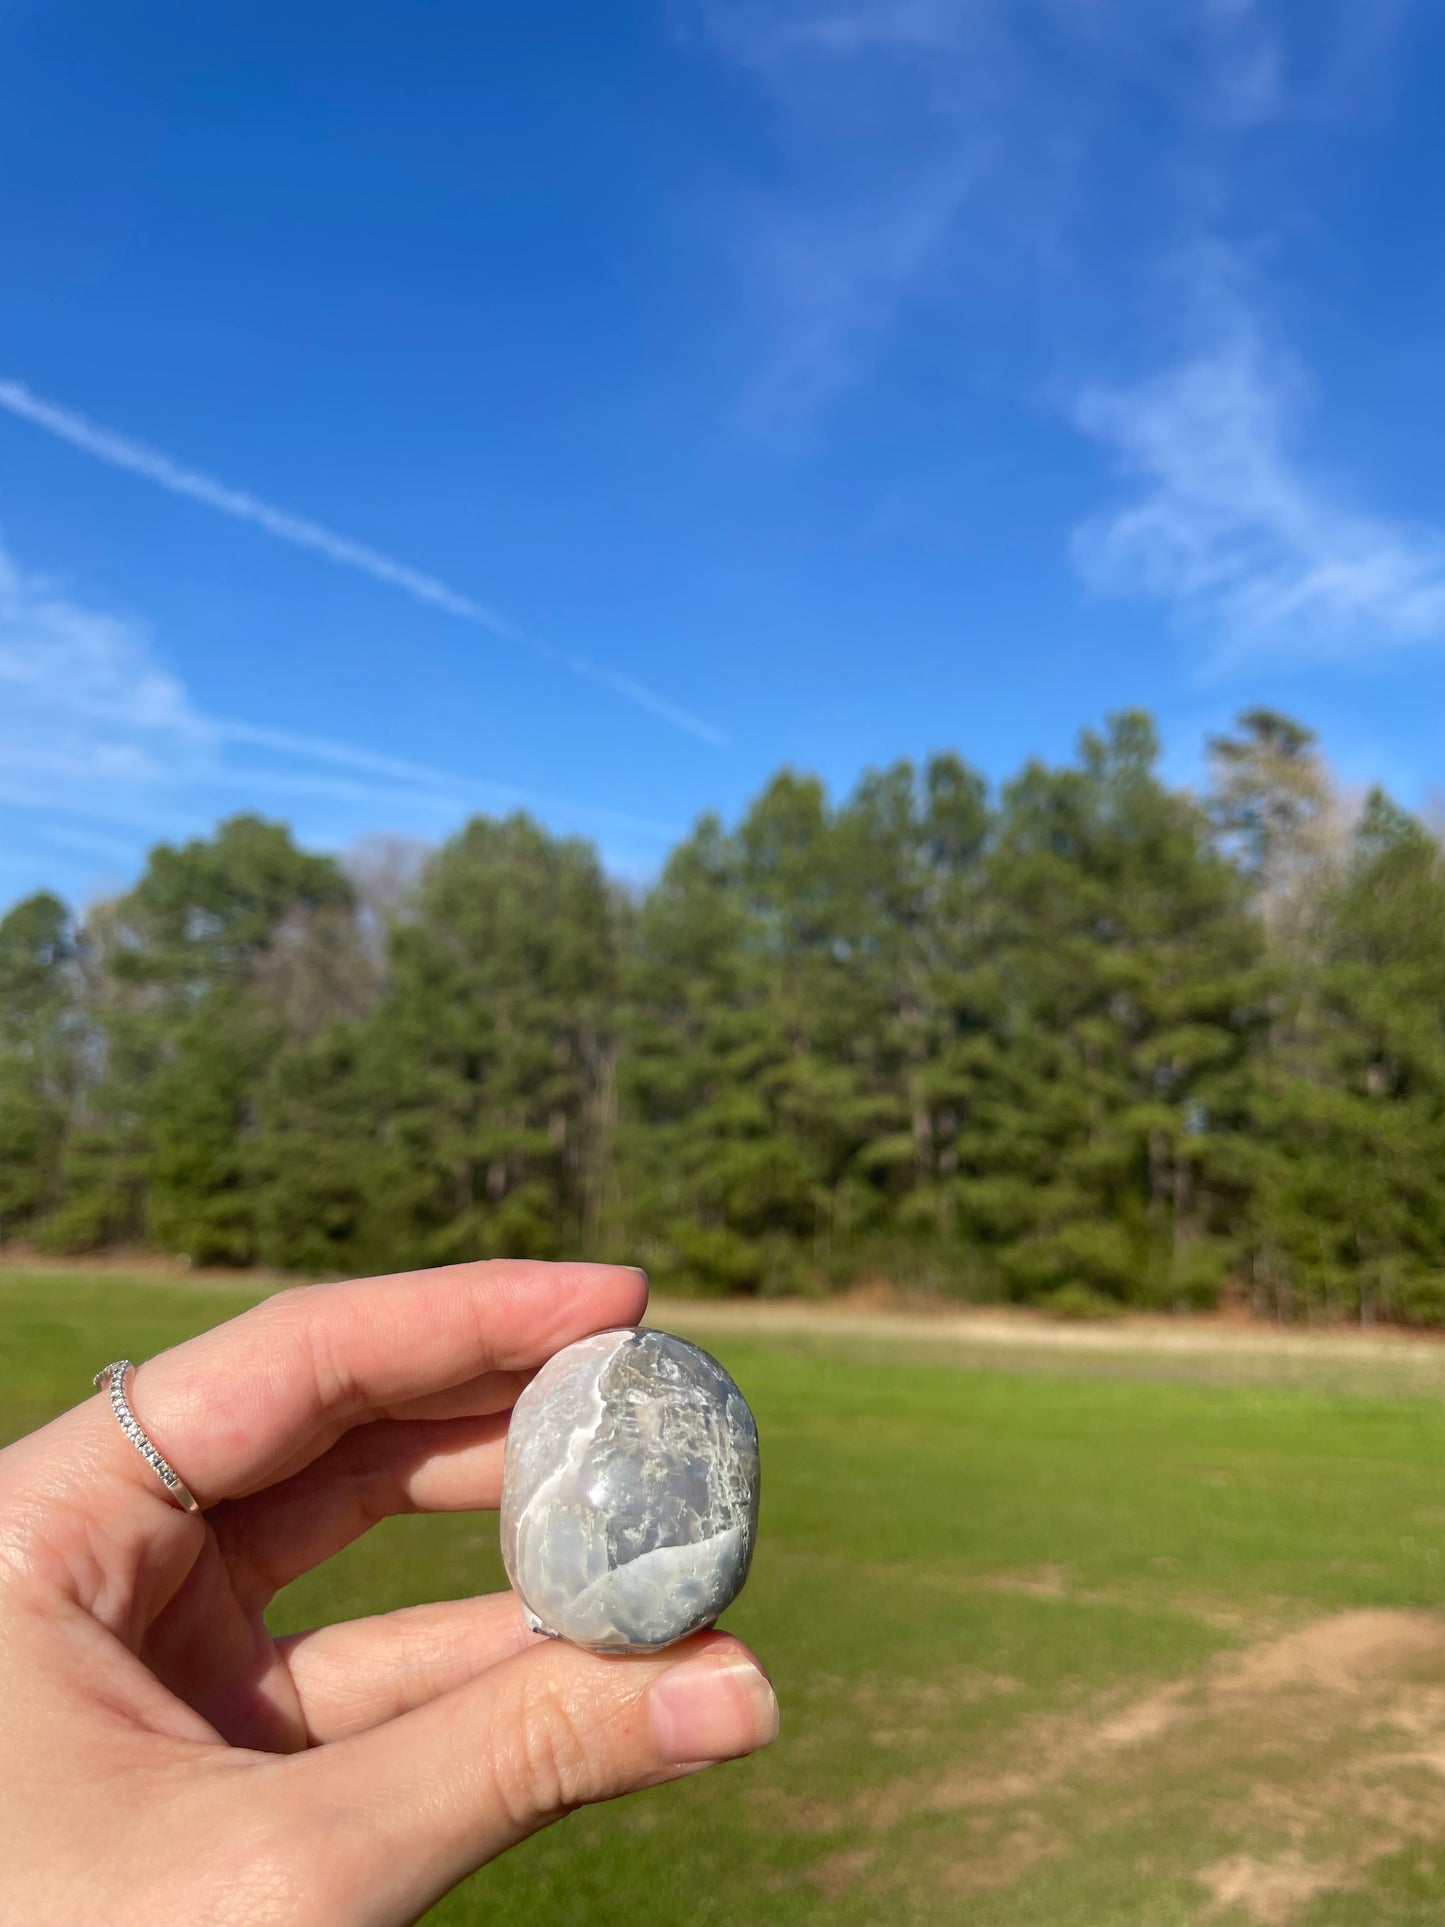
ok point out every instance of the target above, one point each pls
(703, 1711)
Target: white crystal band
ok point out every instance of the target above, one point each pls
(113, 1379)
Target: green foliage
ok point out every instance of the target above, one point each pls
(1349, 1212)
(180, 1034)
(1091, 1037)
(488, 1064)
(1081, 1304)
(38, 1062)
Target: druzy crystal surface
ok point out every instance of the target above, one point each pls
(630, 1494)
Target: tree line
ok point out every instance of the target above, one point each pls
(1090, 1040)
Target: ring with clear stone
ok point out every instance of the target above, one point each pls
(114, 1379)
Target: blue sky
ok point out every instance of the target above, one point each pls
(405, 412)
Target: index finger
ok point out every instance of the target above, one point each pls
(255, 1399)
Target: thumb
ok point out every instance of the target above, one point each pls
(424, 1799)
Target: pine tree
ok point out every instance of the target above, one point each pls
(39, 1058)
(165, 1145)
(489, 1060)
(1128, 993)
(1349, 1217)
(704, 1167)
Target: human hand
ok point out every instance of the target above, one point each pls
(163, 1759)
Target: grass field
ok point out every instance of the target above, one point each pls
(1069, 1640)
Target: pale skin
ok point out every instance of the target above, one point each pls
(163, 1758)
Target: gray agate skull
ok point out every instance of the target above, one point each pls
(630, 1494)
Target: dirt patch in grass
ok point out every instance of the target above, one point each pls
(1145, 1719)
(1050, 1582)
(1269, 1891)
(841, 1872)
(1325, 1744)
(1005, 1857)
(806, 1816)
(1042, 1582)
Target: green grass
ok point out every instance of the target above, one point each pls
(1002, 1609)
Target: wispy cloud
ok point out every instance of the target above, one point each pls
(838, 280)
(151, 465)
(880, 151)
(103, 749)
(84, 699)
(921, 143)
(771, 35)
(1244, 61)
(1231, 524)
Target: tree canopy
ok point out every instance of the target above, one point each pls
(1090, 1040)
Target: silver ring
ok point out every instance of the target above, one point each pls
(114, 1379)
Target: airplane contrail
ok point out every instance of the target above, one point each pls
(136, 458)
(421, 777)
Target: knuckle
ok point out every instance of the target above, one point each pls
(373, 1464)
(285, 1304)
(285, 1314)
(554, 1763)
(379, 1492)
(304, 1332)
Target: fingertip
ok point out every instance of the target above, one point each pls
(715, 1705)
(608, 1295)
(571, 1300)
(731, 1643)
(642, 1287)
